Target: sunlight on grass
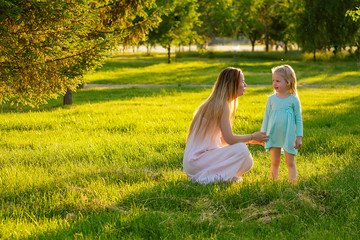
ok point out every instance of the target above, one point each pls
(314, 79)
(192, 71)
(347, 78)
(111, 164)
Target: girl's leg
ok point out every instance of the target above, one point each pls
(275, 154)
(291, 164)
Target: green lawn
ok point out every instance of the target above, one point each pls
(197, 69)
(110, 166)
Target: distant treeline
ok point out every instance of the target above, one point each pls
(47, 46)
(312, 25)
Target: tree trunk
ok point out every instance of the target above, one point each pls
(358, 56)
(252, 46)
(314, 57)
(266, 42)
(286, 47)
(189, 47)
(68, 97)
(169, 59)
(335, 50)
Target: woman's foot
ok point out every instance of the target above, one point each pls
(237, 179)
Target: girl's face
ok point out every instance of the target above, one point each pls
(280, 85)
(242, 85)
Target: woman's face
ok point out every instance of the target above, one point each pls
(242, 85)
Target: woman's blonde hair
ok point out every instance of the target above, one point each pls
(289, 76)
(208, 115)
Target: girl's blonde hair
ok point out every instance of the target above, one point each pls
(208, 115)
(289, 76)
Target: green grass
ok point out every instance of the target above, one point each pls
(110, 167)
(194, 69)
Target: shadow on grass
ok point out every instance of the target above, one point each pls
(318, 206)
(327, 130)
(186, 73)
(130, 61)
(257, 68)
(99, 95)
(152, 213)
(178, 209)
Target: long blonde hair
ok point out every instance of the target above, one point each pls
(289, 76)
(208, 115)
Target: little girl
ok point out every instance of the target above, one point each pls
(282, 121)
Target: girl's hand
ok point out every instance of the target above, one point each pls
(259, 138)
(298, 142)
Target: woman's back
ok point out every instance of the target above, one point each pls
(196, 146)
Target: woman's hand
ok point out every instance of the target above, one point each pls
(298, 142)
(256, 142)
(259, 138)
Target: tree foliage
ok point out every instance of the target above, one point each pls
(282, 27)
(177, 25)
(47, 46)
(265, 9)
(355, 15)
(247, 21)
(323, 25)
(216, 18)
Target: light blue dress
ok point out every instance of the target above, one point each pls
(282, 122)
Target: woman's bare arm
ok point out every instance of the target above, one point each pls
(229, 136)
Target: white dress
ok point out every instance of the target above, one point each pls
(207, 161)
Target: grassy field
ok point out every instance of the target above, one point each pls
(192, 69)
(110, 166)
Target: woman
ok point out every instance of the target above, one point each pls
(213, 153)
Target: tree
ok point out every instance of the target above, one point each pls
(310, 28)
(355, 15)
(323, 25)
(216, 17)
(265, 12)
(254, 19)
(178, 21)
(47, 46)
(247, 21)
(337, 24)
(282, 27)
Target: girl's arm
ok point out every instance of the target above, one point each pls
(228, 135)
(298, 123)
(298, 118)
(266, 116)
